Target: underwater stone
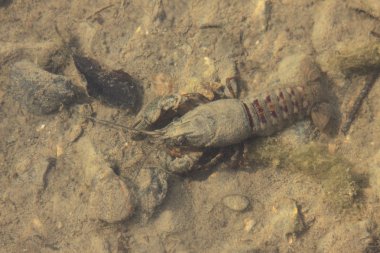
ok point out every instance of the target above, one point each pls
(113, 87)
(152, 188)
(41, 92)
(111, 199)
(298, 68)
(236, 202)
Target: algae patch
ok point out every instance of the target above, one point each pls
(333, 173)
(266, 152)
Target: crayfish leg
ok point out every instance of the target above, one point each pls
(179, 165)
(178, 162)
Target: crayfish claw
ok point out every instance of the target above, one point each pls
(162, 110)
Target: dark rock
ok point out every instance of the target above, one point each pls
(39, 91)
(115, 87)
(4, 3)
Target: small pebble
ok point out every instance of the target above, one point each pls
(59, 150)
(236, 202)
(40, 128)
(249, 224)
(59, 225)
(332, 148)
(37, 226)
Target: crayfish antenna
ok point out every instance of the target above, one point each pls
(156, 133)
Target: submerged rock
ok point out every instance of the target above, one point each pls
(41, 92)
(345, 43)
(359, 57)
(114, 87)
(298, 68)
(236, 202)
(284, 223)
(111, 200)
(152, 188)
(288, 219)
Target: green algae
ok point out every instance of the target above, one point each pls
(267, 152)
(331, 171)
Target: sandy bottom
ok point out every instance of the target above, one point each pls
(71, 185)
